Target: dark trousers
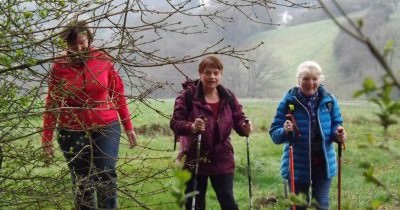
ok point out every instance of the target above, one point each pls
(319, 188)
(92, 156)
(223, 187)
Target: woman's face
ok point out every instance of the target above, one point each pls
(210, 77)
(309, 83)
(81, 43)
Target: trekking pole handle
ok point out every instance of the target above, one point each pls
(291, 118)
(194, 126)
(342, 145)
(247, 121)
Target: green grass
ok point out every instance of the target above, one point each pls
(145, 172)
(265, 158)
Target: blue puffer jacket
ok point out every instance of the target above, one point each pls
(329, 118)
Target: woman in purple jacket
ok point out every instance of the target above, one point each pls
(211, 110)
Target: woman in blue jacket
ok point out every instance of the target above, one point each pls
(319, 124)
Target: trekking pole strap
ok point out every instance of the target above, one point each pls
(249, 174)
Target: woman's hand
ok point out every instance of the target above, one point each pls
(340, 134)
(48, 151)
(247, 127)
(132, 138)
(198, 125)
(288, 126)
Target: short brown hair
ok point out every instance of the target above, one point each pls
(210, 62)
(74, 28)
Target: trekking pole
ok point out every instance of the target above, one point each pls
(248, 170)
(196, 170)
(339, 195)
(294, 134)
(339, 174)
(291, 170)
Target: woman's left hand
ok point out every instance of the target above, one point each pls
(340, 134)
(132, 138)
(247, 127)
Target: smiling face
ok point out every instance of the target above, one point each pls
(210, 77)
(210, 72)
(309, 77)
(309, 83)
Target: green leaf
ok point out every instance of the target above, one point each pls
(393, 107)
(377, 102)
(358, 93)
(369, 84)
(19, 53)
(32, 61)
(28, 15)
(182, 175)
(388, 47)
(43, 13)
(300, 199)
(360, 23)
(61, 3)
(5, 60)
(291, 107)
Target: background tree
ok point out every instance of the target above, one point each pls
(139, 35)
(377, 91)
(348, 52)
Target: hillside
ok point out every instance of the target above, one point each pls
(311, 41)
(292, 45)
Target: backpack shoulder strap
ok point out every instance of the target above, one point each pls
(189, 100)
(231, 99)
(188, 95)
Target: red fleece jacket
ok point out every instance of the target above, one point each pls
(82, 97)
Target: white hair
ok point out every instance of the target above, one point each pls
(310, 67)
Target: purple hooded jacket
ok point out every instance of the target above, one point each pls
(216, 154)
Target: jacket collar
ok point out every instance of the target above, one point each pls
(322, 92)
(223, 93)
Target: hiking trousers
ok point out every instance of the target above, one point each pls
(319, 188)
(92, 156)
(223, 187)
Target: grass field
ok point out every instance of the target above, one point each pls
(364, 136)
(146, 172)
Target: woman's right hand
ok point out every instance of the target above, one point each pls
(288, 126)
(132, 138)
(48, 151)
(198, 125)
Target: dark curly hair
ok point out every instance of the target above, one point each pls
(74, 28)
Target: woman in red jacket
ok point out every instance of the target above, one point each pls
(85, 103)
(211, 110)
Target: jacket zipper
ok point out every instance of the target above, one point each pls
(323, 144)
(309, 148)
